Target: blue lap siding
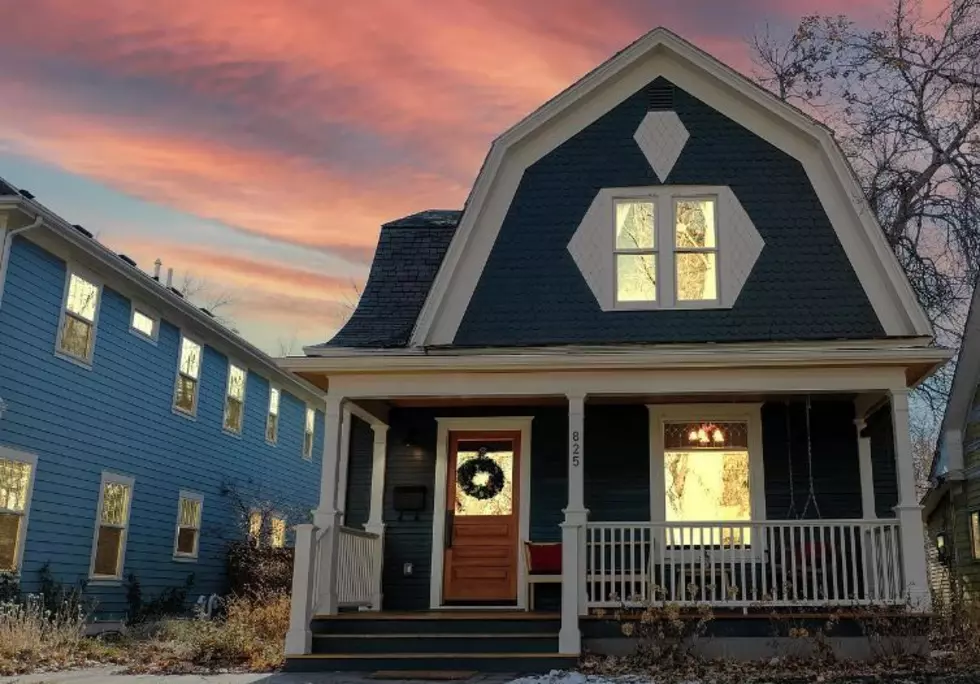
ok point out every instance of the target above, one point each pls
(117, 417)
(617, 474)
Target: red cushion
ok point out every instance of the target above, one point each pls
(545, 558)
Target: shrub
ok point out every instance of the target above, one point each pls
(259, 571)
(171, 601)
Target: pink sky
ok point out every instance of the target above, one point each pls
(261, 144)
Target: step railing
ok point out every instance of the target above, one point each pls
(743, 564)
(358, 553)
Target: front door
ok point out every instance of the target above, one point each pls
(482, 518)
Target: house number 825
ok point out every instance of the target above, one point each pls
(576, 449)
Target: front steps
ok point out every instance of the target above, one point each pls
(486, 641)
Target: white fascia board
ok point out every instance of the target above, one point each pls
(662, 53)
(203, 326)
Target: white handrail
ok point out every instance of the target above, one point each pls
(743, 564)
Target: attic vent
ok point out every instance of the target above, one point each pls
(81, 230)
(207, 312)
(127, 259)
(660, 98)
(177, 292)
(27, 194)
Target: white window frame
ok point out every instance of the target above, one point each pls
(197, 387)
(751, 414)
(224, 415)
(664, 199)
(308, 454)
(199, 498)
(10, 454)
(268, 415)
(149, 313)
(58, 351)
(109, 477)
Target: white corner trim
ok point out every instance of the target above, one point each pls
(738, 242)
(130, 482)
(12, 454)
(660, 414)
(520, 424)
(662, 53)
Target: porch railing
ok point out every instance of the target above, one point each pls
(738, 565)
(357, 553)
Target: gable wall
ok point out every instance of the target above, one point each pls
(531, 291)
(117, 417)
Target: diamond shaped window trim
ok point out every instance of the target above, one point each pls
(661, 137)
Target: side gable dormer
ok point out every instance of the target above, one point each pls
(799, 255)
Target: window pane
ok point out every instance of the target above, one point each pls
(696, 277)
(695, 225)
(975, 532)
(186, 539)
(9, 531)
(185, 393)
(83, 297)
(277, 533)
(308, 444)
(233, 415)
(470, 495)
(107, 551)
(634, 225)
(15, 476)
(272, 427)
(255, 524)
(190, 358)
(190, 513)
(274, 401)
(143, 323)
(114, 500)
(704, 486)
(310, 419)
(706, 434)
(236, 382)
(636, 278)
(76, 337)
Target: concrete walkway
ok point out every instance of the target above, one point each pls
(107, 675)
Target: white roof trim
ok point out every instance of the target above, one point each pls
(661, 52)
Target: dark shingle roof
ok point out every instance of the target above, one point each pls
(410, 251)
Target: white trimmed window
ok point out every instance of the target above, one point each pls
(143, 323)
(683, 228)
(188, 376)
(272, 418)
(975, 534)
(309, 430)
(707, 467)
(112, 524)
(188, 535)
(235, 398)
(255, 528)
(277, 531)
(76, 334)
(16, 483)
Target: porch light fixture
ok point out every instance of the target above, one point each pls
(705, 434)
(942, 551)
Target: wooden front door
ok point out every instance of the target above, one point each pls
(482, 506)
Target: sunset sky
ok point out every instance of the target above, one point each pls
(261, 143)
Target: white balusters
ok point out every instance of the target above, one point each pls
(357, 554)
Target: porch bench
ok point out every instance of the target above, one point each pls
(542, 564)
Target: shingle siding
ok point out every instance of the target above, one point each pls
(531, 292)
(117, 417)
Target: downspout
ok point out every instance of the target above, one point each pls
(8, 241)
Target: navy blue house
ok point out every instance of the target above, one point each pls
(138, 435)
(662, 356)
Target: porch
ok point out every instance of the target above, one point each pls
(815, 507)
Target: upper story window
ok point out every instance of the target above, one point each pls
(144, 323)
(235, 398)
(272, 418)
(76, 337)
(666, 250)
(308, 431)
(16, 478)
(188, 376)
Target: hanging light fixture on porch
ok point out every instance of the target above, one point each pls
(705, 434)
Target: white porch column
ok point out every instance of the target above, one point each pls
(573, 532)
(299, 639)
(867, 472)
(375, 523)
(342, 469)
(327, 517)
(908, 510)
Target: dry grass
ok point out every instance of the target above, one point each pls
(34, 638)
(250, 637)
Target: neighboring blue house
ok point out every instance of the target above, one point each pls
(137, 434)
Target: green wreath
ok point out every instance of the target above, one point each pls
(466, 477)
